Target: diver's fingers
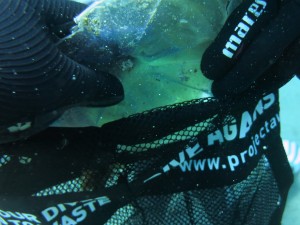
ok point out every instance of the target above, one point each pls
(279, 74)
(263, 52)
(57, 12)
(36, 77)
(240, 29)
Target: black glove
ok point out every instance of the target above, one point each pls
(258, 48)
(35, 76)
(37, 81)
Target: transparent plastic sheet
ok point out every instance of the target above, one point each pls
(156, 53)
(120, 22)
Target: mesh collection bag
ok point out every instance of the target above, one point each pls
(197, 162)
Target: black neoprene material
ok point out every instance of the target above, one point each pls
(264, 52)
(267, 56)
(214, 64)
(282, 71)
(57, 11)
(35, 77)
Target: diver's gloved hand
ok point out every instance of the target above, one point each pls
(258, 48)
(35, 76)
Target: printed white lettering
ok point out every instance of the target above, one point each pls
(2, 221)
(15, 222)
(50, 213)
(7, 217)
(226, 52)
(17, 215)
(259, 109)
(248, 20)
(103, 201)
(250, 151)
(230, 132)
(31, 218)
(262, 133)
(187, 166)
(190, 151)
(256, 10)
(213, 163)
(262, 3)
(65, 220)
(273, 123)
(27, 223)
(175, 163)
(267, 126)
(4, 214)
(246, 124)
(242, 29)
(215, 136)
(233, 161)
(79, 213)
(243, 156)
(91, 205)
(257, 142)
(278, 118)
(195, 150)
(166, 168)
(269, 100)
(199, 164)
(19, 127)
(249, 123)
(231, 46)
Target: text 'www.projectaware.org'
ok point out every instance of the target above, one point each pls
(233, 161)
(230, 162)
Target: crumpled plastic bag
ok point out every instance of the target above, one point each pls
(153, 46)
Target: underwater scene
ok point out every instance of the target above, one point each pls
(159, 44)
(149, 112)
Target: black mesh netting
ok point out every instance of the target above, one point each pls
(243, 203)
(164, 166)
